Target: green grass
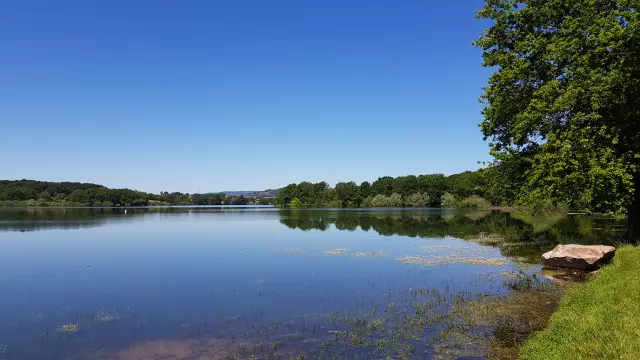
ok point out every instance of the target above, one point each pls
(596, 320)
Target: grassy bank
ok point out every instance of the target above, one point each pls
(596, 320)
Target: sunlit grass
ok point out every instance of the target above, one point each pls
(598, 319)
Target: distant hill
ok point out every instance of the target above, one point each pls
(258, 194)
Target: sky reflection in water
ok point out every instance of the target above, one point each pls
(235, 283)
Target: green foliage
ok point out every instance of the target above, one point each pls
(41, 193)
(417, 200)
(434, 186)
(500, 183)
(563, 105)
(474, 202)
(383, 186)
(287, 194)
(464, 184)
(449, 200)
(364, 190)
(405, 185)
(347, 194)
(411, 191)
(367, 202)
(296, 203)
(208, 199)
(393, 200)
(596, 320)
(319, 194)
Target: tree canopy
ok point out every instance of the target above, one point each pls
(402, 191)
(563, 105)
(31, 192)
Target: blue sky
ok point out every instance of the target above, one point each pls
(238, 95)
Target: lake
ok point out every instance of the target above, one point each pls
(267, 283)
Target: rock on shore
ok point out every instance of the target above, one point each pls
(581, 257)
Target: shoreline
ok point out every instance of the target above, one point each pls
(597, 319)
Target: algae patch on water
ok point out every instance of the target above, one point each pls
(336, 252)
(295, 252)
(370, 253)
(471, 254)
(105, 317)
(68, 328)
(511, 319)
(451, 259)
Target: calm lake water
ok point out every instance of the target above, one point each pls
(264, 283)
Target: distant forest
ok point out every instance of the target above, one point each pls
(43, 193)
(473, 189)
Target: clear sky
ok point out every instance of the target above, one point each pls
(238, 95)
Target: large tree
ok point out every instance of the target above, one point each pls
(565, 100)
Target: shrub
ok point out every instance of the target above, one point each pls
(379, 201)
(449, 201)
(417, 200)
(395, 200)
(296, 203)
(537, 206)
(475, 202)
(367, 202)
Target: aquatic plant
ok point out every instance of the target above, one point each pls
(292, 251)
(68, 328)
(336, 252)
(451, 259)
(103, 316)
(369, 253)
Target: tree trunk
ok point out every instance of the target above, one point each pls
(633, 214)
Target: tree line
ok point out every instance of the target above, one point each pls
(31, 192)
(467, 189)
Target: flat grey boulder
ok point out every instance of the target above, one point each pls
(581, 257)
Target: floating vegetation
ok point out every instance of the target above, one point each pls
(415, 260)
(105, 317)
(438, 248)
(467, 251)
(486, 239)
(296, 252)
(512, 318)
(370, 253)
(481, 261)
(511, 274)
(68, 328)
(336, 252)
(455, 344)
(451, 259)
